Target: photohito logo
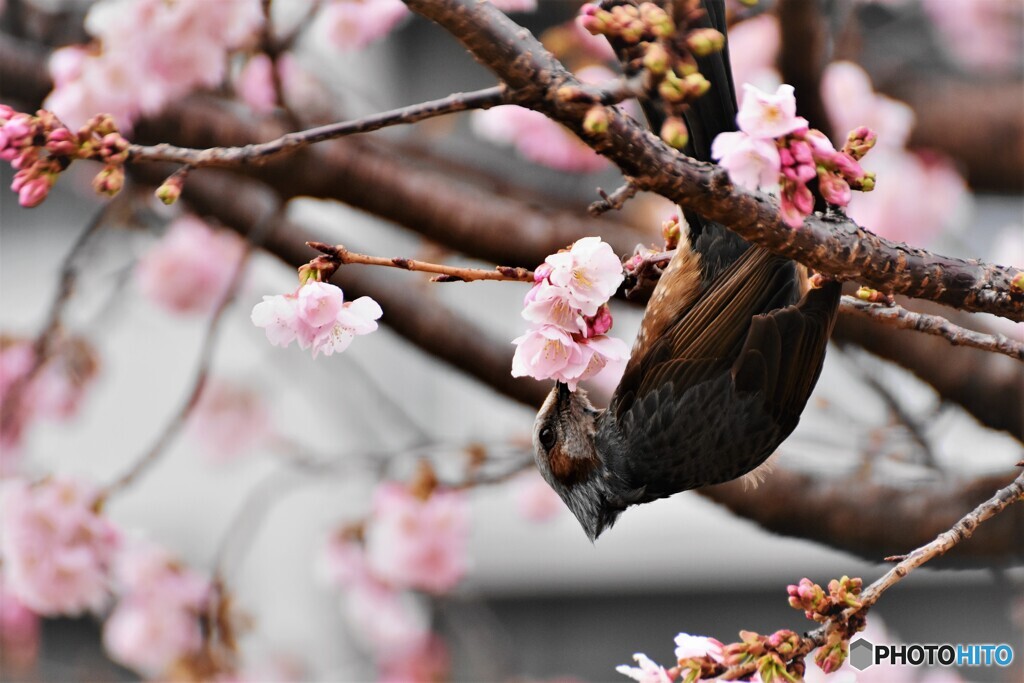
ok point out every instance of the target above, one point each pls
(864, 653)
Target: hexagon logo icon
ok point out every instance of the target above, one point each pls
(862, 654)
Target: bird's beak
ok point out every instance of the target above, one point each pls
(563, 391)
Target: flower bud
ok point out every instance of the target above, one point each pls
(671, 231)
(834, 189)
(875, 297)
(696, 85)
(865, 183)
(705, 41)
(109, 181)
(32, 191)
(656, 59)
(170, 190)
(1017, 284)
(860, 141)
(62, 142)
(599, 323)
(596, 120)
(672, 88)
(657, 20)
(674, 132)
(114, 148)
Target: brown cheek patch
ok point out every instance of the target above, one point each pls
(569, 470)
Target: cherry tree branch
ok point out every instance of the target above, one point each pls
(833, 245)
(291, 142)
(943, 543)
(343, 256)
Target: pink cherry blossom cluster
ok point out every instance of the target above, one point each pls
(147, 53)
(228, 420)
(775, 147)
(156, 621)
(689, 650)
(354, 24)
(539, 139)
(58, 550)
(413, 541)
(568, 309)
(316, 316)
(53, 391)
(189, 270)
(40, 147)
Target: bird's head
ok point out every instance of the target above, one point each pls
(565, 448)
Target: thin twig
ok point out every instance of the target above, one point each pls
(43, 344)
(290, 142)
(616, 200)
(897, 316)
(445, 273)
(174, 426)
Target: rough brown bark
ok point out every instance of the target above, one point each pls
(834, 246)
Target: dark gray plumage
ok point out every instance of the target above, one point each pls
(726, 358)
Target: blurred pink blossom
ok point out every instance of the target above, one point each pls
(384, 620)
(317, 316)
(851, 101)
(984, 35)
(255, 84)
(57, 549)
(156, 622)
(428, 663)
(416, 543)
(148, 53)
(647, 671)
(917, 197)
(19, 632)
(538, 138)
(228, 420)
(354, 24)
(753, 48)
(534, 499)
(190, 269)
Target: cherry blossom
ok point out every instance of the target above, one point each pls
(190, 269)
(417, 543)
(57, 548)
(753, 47)
(317, 316)
(647, 671)
(850, 101)
(983, 35)
(549, 352)
(156, 621)
(148, 53)
(763, 115)
(534, 499)
(354, 24)
(589, 271)
(688, 646)
(751, 162)
(228, 420)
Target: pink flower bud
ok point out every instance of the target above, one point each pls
(675, 132)
(32, 192)
(114, 148)
(834, 189)
(109, 181)
(542, 272)
(599, 323)
(860, 141)
(6, 112)
(61, 142)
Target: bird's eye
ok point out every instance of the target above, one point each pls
(547, 438)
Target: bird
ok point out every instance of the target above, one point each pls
(730, 348)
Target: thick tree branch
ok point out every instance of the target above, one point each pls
(832, 245)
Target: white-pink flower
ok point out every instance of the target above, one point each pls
(548, 304)
(156, 621)
(317, 316)
(386, 620)
(751, 162)
(763, 115)
(549, 352)
(589, 271)
(57, 549)
(688, 646)
(647, 671)
(190, 269)
(416, 543)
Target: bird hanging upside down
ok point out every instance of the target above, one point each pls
(727, 355)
